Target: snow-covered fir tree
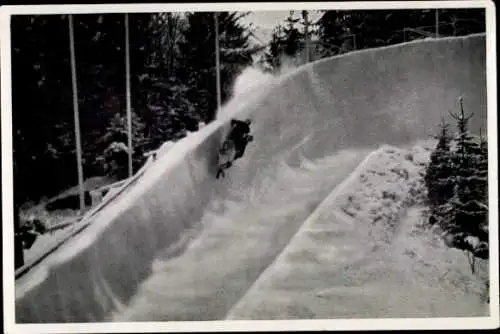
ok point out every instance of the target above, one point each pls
(275, 51)
(470, 212)
(456, 181)
(292, 36)
(483, 167)
(438, 178)
(115, 157)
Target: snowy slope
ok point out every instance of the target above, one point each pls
(365, 254)
(240, 235)
(311, 128)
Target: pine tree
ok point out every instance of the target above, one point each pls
(330, 30)
(456, 181)
(437, 178)
(470, 213)
(276, 50)
(483, 168)
(482, 186)
(197, 50)
(293, 38)
(170, 113)
(115, 156)
(157, 93)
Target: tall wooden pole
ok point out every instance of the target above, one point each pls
(76, 114)
(129, 107)
(217, 60)
(437, 22)
(306, 33)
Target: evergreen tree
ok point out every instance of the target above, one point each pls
(274, 55)
(160, 98)
(483, 168)
(438, 178)
(457, 182)
(115, 156)
(197, 50)
(330, 30)
(170, 113)
(293, 38)
(483, 186)
(43, 131)
(341, 31)
(470, 213)
(44, 125)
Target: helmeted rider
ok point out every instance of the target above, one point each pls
(239, 136)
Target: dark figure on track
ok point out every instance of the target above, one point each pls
(235, 143)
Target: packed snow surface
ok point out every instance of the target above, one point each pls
(241, 234)
(366, 253)
(182, 245)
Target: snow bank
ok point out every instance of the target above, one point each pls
(392, 95)
(390, 183)
(235, 240)
(100, 269)
(363, 255)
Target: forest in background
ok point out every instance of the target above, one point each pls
(340, 31)
(173, 78)
(173, 88)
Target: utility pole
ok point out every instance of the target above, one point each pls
(217, 60)
(306, 33)
(76, 114)
(129, 107)
(437, 22)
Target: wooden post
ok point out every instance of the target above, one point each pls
(306, 33)
(217, 61)
(129, 107)
(76, 114)
(437, 22)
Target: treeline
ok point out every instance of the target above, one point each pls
(340, 31)
(172, 63)
(457, 187)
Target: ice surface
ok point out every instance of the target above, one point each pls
(184, 246)
(241, 232)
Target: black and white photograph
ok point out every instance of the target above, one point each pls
(249, 166)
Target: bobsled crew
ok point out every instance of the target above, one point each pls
(235, 144)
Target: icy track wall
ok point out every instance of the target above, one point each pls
(391, 95)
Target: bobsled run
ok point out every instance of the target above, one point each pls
(184, 245)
